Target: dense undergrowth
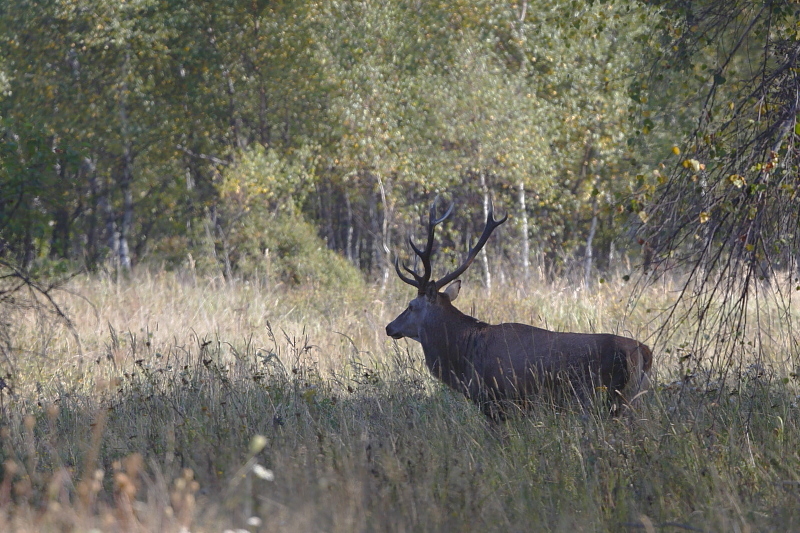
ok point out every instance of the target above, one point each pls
(196, 405)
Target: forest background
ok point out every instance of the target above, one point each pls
(227, 134)
(292, 147)
(155, 131)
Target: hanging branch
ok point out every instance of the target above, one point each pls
(726, 217)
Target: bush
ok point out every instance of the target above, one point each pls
(260, 231)
(289, 250)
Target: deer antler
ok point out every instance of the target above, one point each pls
(421, 281)
(491, 224)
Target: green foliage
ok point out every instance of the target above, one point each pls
(38, 187)
(485, 103)
(262, 230)
(287, 248)
(263, 182)
(398, 100)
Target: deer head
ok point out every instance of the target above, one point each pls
(432, 303)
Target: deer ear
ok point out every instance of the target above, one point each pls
(452, 290)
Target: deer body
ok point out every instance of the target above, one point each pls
(512, 362)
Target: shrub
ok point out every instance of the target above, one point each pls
(260, 231)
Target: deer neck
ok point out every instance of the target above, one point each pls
(448, 343)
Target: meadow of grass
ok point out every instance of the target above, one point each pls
(184, 403)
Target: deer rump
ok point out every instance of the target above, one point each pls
(516, 363)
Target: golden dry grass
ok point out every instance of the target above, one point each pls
(195, 404)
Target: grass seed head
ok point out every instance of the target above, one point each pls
(52, 412)
(10, 467)
(124, 486)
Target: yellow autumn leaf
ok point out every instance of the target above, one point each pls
(676, 150)
(643, 216)
(737, 180)
(694, 164)
(704, 216)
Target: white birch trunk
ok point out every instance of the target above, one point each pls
(487, 274)
(526, 245)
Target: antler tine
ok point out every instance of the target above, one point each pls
(413, 282)
(425, 255)
(491, 225)
(420, 279)
(412, 272)
(432, 223)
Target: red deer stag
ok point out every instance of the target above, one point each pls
(510, 363)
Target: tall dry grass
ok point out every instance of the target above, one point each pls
(194, 404)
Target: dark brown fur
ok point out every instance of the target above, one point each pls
(512, 362)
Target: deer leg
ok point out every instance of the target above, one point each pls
(491, 406)
(615, 378)
(487, 399)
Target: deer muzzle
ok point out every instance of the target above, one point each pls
(393, 331)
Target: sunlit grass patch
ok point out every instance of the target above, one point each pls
(207, 405)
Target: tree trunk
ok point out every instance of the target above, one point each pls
(111, 234)
(372, 234)
(587, 264)
(349, 241)
(126, 177)
(583, 173)
(526, 244)
(92, 251)
(359, 243)
(226, 252)
(28, 246)
(330, 217)
(59, 236)
(386, 263)
(487, 275)
(236, 121)
(523, 10)
(127, 212)
(60, 231)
